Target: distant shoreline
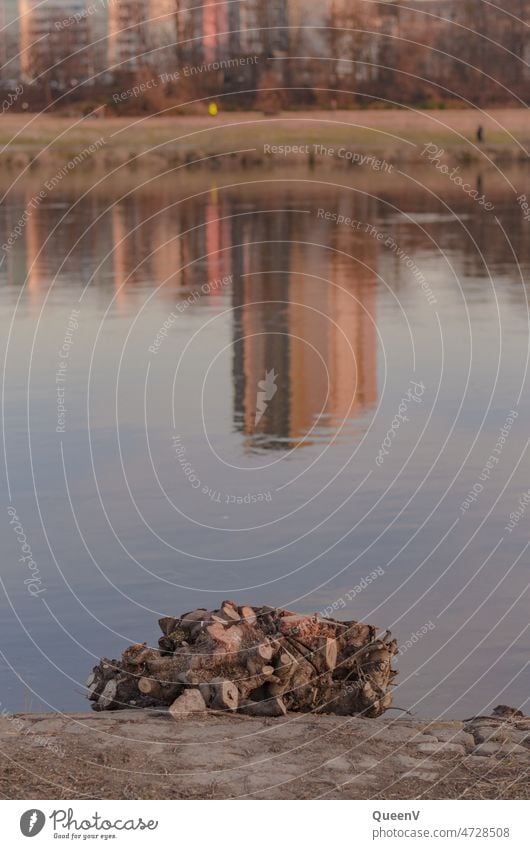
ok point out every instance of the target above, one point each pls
(233, 140)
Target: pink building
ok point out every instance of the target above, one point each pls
(203, 30)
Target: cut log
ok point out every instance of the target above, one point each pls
(207, 692)
(167, 624)
(189, 702)
(225, 695)
(329, 653)
(341, 626)
(136, 655)
(286, 664)
(195, 630)
(300, 651)
(248, 615)
(200, 615)
(266, 707)
(265, 651)
(248, 685)
(216, 617)
(229, 611)
(93, 693)
(284, 673)
(164, 693)
(108, 696)
(150, 687)
(166, 646)
(240, 655)
(230, 638)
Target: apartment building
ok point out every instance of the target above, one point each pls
(55, 34)
(140, 32)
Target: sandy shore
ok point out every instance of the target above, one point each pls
(139, 755)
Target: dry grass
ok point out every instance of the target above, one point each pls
(370, 129)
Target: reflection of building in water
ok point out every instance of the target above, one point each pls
(308, 313)
(303, 308)
(140, 241)
(145, 247)
(217, 239)
(183, 246)
(60, 243)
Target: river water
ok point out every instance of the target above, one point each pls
(284, 389)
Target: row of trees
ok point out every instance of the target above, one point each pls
(354, 52)
(465, 49)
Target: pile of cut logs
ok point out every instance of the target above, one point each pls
(260, 661)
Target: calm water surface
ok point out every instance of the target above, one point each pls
(262, 403)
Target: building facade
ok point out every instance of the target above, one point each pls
(140, 33)
(55, 35)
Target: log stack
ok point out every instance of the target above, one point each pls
(260, 661)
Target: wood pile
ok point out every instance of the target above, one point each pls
(260, 661)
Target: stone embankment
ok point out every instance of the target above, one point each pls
(139, 754)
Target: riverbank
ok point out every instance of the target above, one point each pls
(250, 139)
(134, 754)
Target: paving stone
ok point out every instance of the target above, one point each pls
(449, 736)
(393, 734)
(499, 749)
(442, 748)
(515, 749)
(489, 733)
